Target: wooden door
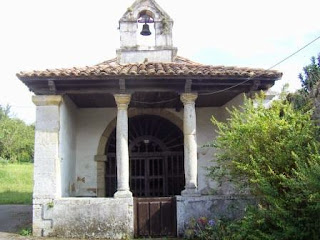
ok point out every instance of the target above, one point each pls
(155, 217)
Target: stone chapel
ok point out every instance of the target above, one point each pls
(118, 145)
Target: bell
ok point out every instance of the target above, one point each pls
(145, 30)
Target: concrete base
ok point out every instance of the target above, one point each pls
(106, 218)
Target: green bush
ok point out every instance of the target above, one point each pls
(26, 231)
(273, 152)
(212, 229)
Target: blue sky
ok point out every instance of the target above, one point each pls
(41, 34)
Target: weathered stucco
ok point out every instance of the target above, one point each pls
(161, 51)
(212, 207)
(91, 125)
(67, 146)
(47, 176)
(87, 218)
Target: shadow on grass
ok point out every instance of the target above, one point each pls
(11, 197)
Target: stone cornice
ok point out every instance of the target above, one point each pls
(188, 98)
(122, 101)
(47, 100)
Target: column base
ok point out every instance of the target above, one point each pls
(123, 194)
(190, 192)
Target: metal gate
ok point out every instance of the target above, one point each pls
(156, 173)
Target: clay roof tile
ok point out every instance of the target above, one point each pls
(181, 66)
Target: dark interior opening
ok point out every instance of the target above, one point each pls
(156, 158)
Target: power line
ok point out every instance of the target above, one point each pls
(160, 102)
(250, 78)
(238, 84)
(308, 44)
(218, 91)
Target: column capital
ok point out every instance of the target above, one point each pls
(47, 100)
(188, 98)
(122, 100)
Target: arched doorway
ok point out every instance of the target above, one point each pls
(156, 158)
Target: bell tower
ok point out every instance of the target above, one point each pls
(150, 15)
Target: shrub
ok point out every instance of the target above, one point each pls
(212, 229)
(26, 231)
(275, 152)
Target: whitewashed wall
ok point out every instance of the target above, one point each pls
(91, 125)
(67, 146)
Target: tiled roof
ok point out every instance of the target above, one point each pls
(181, 67)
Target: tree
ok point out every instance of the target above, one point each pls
(4, 112)
(16, 138)
(275, 152)
(307, 97)
(311, 75)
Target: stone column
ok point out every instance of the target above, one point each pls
(190, 144)
(122, 150)
(47, 177)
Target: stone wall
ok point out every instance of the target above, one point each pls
(212, 207)
(87, 218)
(47, 175)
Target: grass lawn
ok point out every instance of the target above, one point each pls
(16, 183)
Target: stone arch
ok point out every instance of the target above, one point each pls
(100, 158)
(150, 13)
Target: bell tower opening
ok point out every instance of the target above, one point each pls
(156, 158)
(146, 31)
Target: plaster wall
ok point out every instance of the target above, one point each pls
(91, 123)
(67, 146)
(139, 56)
(205, 135)
(106, 218)
(235, 102)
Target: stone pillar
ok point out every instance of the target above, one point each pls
(122, 150)
(47, 177)
(190, 144)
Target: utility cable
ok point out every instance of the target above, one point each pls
(238, 84)
(250, 78)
